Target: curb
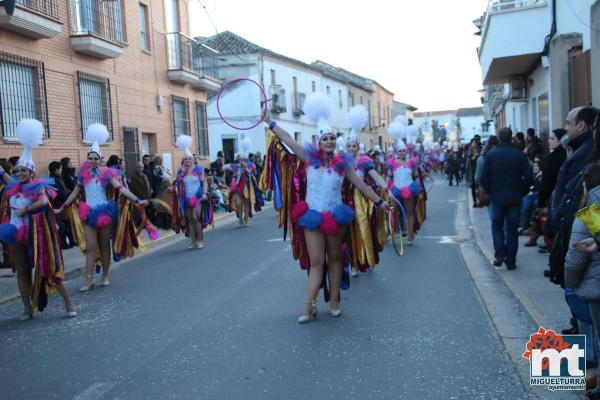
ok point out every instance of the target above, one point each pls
(78, 271)
(506, 276)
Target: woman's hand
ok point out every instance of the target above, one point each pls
(143, 203)
(386, 206)
(588, 245)
(20, 212)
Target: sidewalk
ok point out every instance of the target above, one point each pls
(75, 260)
(541, 298)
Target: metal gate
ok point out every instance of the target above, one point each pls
(131, 148)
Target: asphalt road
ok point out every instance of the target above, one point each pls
(220, 323)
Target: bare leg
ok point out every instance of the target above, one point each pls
(19, 254)
(409, 207)
(239, 208)
(315, 244)
(334, 268)
(66, 298)
(91, 243)
(189, 217)
(105, 251)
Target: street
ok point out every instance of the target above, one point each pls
(220, 323)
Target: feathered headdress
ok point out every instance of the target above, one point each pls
(30, 133)
(184, 142)
(356, 119)
(318, 108)
(98, 135)
(245, 146)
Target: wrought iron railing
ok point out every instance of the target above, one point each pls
(99, 18)
(205, 62)
(506, 5)
(179, 49)
(45, 7)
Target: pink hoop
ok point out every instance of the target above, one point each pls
(263, 103)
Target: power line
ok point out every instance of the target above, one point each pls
(579, 18)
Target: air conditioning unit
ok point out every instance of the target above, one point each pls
(277, 94)
(517, 88)
(298, 100)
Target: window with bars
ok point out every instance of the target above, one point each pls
(22, 93)
(94, 102)
(181, 116)
(144, 24)
(202, 128)
(99, 18)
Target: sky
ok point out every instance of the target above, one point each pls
(424, 51)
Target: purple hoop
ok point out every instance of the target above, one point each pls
(263, 103)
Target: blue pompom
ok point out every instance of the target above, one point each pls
(8, 233)
(310, 220)
(415, 188)
(343, 214)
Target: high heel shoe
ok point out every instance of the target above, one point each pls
(89, 286)
(27, 315)
(71, 313)
(105, 281)
(303, 319)
(335, 312)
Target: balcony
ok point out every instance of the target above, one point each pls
(37, 19)
(513, 34)
(97, 28)
(191, 63)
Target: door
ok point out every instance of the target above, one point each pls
(229, 146)
(131, 148)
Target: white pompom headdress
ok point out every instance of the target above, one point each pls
(30, 133)
(318, 108)
(98, 135)
(356, 119)
(184, 142)
(246, 145)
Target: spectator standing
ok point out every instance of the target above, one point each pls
(506, 177)
(140, 186)
(534, 145)
(519, 141)
(68, 173)
(148, 167)
(453, 168)
(62, 193)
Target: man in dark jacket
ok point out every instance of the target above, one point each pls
(534, 145)
(506, 177)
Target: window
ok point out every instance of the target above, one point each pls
(99, 18)
(361, 100)
(314, 86)
(202, 129)
(94, 101)
(144, 31)
(369, 111)
(172, 15)
(340, 102)
(351, 99)
(297, 136)
(273, 80)
(22, 93)
(181, 116)
(328, 90)
(294, 85)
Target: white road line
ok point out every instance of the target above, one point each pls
(95, 391)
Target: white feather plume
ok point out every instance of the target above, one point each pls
(246, 144)
(341, 143)
(30, 132)
(318, 106)
(183, 141)
(357, 117)
(397, 130)
(402, 120)
(97, 132)
(361, 147)
(377, 148)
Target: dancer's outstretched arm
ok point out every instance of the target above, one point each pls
(366, 189)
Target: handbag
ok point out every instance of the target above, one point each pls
(483, 199)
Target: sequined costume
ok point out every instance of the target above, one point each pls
(189, 189)
(245, 185)
(37, 231)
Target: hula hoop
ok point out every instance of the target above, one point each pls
(399, 250)
(403, 222)
(428, 184)
(263, 103)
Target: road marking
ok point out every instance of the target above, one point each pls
(280, 239)
(95, 391)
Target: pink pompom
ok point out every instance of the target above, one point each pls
(103, 221)
(298, 210)
(232, 186)
(193, 201)
(151, 231)
(329, 226)
(23, 234)
(83, 211)
(405, 193)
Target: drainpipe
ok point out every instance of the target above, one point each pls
(549, 37)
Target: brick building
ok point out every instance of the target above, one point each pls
(130, 65)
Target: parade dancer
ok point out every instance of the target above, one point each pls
(101, 211)
(368, 230)
(30, 232)
(244, 193)
(308, 193)
(192, 210)
(401, 175)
